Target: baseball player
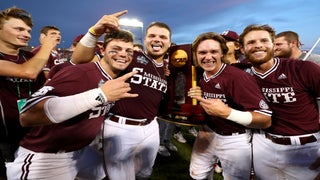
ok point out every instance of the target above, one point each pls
(288, 45)
(55, 57)
(292, 89)
(234, 103)
(131, 134)
(20, 75)
(67, 114)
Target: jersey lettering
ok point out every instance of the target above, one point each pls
(100, 111)
(207, 95)
(149, 80)
(279, 95)
(41, 92)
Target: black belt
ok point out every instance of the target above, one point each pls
(223, 133)
(287, 140)
(131, 122)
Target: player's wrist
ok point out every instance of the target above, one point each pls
(89, 40)
(93, 32)
(240, 117)
(60, 109)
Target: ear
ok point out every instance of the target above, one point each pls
(236, 45)
(241, 49)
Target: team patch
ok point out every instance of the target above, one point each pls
(263, 105)
(142, 60)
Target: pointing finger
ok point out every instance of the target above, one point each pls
(120, 13)
(128, 75)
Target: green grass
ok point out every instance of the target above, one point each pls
(176, 166)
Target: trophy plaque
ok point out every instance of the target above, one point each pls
(177, 107)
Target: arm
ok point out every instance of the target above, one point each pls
(31, 68)
(84, 51)
(59, 109)
(215, 107)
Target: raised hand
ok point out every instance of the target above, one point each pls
(118, 88)
(48, 41)
(108, 23)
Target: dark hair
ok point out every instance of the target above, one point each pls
(206, 36)
(159, 24)
(17, 13)
(138, 45)
(123, 35)
(256, 27)
(45, 29)
(289, 36)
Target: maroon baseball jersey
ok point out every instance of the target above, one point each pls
(57, 68)
(55, 58)
(76, 132)
(292, 88)
(13, 89)
(238, 90)
(149, 83)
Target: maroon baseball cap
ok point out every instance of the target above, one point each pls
(78, 38)
(230, 35)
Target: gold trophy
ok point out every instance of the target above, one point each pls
(179, 108)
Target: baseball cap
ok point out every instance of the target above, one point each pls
(230, 35)
(78, 38)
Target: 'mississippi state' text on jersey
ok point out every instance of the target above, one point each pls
(238, 90)
(292, 88)
(150, 83)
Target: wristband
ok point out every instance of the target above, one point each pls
(240, 117)
(93, 32)
(89, 40)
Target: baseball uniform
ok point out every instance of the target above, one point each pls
(131, 134)
(290, 145)
(61, 151)
(14, 90)
(230, 141)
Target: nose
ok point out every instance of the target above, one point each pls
(27, 34)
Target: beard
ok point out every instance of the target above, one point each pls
(284, 53)
(259, 61)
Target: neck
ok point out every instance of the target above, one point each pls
(296, 54)
(262, 68)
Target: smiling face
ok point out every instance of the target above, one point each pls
(157, 42)
(209, 55)
(258, 47)
(118, 56)
(14, 33)
(282, 48)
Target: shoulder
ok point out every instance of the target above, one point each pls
(35, 50)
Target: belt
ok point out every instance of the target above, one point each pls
(287, 140)
(131, 122)
(230, 133)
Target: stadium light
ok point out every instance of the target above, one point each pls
(130, 22)
(126, 22)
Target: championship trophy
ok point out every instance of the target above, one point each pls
(177, 107)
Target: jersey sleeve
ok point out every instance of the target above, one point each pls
(68, 81)
(309, 72)
(247, 94)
